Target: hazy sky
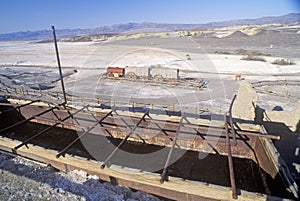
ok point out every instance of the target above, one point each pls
(24, 15)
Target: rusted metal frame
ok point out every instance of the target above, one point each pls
(158, 126)
(124, 140)
(18, 107)
(274, 137)
(101, 124)
(174, 131)
(208, 141)
(61, 152)
(164, 173)
(30, 118)
(240, 132)
(165, 132)
(170, 130)
(59, 67)
(194, 126)
(190, 125)
(47, 129)
(230, 161)
(109, 125)
(129, 127)
(113, 126)
(50, 120)
(57, 117)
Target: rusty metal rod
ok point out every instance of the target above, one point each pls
(230, 161)
(200, 128)
(240, 132)
(184, 134)
(164, 173)
(82, 134)
(18, 107)
(124, 140)
(26, 120)
(269, 136)
(164, 131)
(231, 121)
(203, 129)
(48, 121)
(47, 129)
(59, 67)
(129, 126)
(172, 136)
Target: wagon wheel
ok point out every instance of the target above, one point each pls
(158, 78)
(131, 76)
(110, 75)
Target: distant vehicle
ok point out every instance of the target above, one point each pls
(157, 74)
(115, 72)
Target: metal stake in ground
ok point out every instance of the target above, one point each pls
(231, 121)
(59, 66)
(230, 162)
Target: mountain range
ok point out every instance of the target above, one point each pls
(121, 28)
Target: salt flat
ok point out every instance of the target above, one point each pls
(90, 60)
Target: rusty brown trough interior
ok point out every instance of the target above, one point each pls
(189, 147)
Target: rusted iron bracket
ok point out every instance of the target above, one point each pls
(124, 140)
(83, 134)
(164, 173)
(47, 129)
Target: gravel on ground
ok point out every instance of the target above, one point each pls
(23, 179)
